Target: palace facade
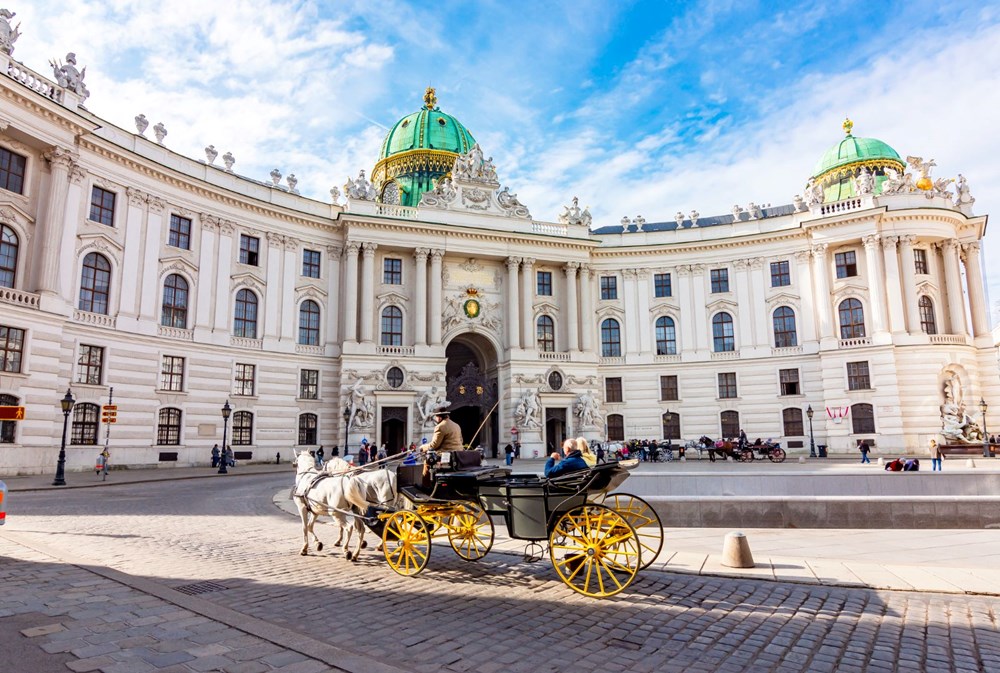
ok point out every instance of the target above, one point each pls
(183, 286)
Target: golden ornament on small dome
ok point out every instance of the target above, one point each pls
(848, 125)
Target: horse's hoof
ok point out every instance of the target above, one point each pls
(356, 559)
(349, 556)
(364, 544)
(319, 546)
(304, 552)
(336, 544)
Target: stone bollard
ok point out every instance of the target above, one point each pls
(970, 463)
(802, 459)
(881, 461)
(736, 551)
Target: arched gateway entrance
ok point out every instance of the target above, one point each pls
(471, 380)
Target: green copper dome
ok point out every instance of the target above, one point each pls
(840, 164)
(419, 148)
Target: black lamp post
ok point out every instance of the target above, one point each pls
(66, 403)
(812, 440)
(226, 410)
(986, 438)
(347, 426)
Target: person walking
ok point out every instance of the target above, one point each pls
(319, 457)
(102, 464)
(864, 449)
(381, 455)
(229, 457)
(215, 456)
(600, 453)
(936, 456)
(508, 454)
(363, 453)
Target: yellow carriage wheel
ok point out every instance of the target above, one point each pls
(406, 542)
(595, 550)
(470, 532)
(644, 520)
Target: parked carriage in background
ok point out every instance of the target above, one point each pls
(732, 449)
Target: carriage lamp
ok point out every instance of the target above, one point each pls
(226, 410)
(66, 403)
(347, 426)
(812, 440)
(986, 438)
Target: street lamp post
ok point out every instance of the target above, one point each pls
(812, 439)
(226, 410)
(66, 403)
(986, 438)
(347, 427)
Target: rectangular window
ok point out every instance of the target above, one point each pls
(661, 285)
(668, 389)
(11, 349)
(609, 287)
(727, 385)
(847, 264)
(310, 263)
(543, 283)
(613, 389)
(920, 260)
(789, 379)
(857, 376)
(309, 384)
(392, 271)
(245, 375)
(249, 250)
(12, 171)
(102, 206)
(720, 280)
(90, 365)
(779, 274)
(172, 373)
(180, 232)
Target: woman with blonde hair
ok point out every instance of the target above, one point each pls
(583, 446)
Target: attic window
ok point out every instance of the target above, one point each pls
(441, 121)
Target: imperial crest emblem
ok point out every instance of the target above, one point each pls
(472, 308)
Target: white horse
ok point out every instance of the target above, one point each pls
(319, 493)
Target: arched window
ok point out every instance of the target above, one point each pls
(611, 339)
(722, 333)
(784, 327)
(616, 428)
(168, 427)
(175, 302)
(791, 419)
(84, 430)
(95, 284)
(242, 428)
(671, 425)
(730, 424)
(307, 429)
(392, 326)
(666, 336)
(545, 334)
(8, 429)
(245, 324)
(927, 322)
(309, 323)
(863, 418)
(852, 319)
(8, 256)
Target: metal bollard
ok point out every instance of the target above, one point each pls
(3, 503)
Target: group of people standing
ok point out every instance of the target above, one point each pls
(227, 456)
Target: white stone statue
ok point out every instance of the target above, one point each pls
(210, 154)
(921, 166)
(228, 159)
(941, 188)
(737, 212)
(335, 195)
(955, 423)
(572, 214)
(358, 416)
(508, 201)
(625, 222)
(638, 222)
(798, 203)
(360, 189)
(588, 410)
(864, 182)
(896, 183)
(8, 35)
(444, 192)
(292, 183)
(275, 176)
(694, 218)
(528, 410)
(472, 167)
(141, 123)
(679, 219)
(428, 403)
(756, 212)
(68, 77)
(814, 193)
(963, 197)
(160, 131)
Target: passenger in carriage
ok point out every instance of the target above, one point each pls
(584, 448)
(571, 462)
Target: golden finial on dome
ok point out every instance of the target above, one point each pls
(430, 98)
(847, 125)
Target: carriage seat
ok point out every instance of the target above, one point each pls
(460, 460)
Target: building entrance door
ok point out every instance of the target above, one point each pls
(392, 430)
(555, 429)
(472, 389)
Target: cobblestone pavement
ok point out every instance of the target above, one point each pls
(498, 614)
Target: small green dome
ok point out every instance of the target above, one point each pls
(427, 129)
(853, 150)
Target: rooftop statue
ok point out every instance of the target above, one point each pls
(573, 215)
(160, 131)
(68, 77)
(141, 123)
(638, 222)
(756, 212)
(275, 176)
(694, 218)
(508, 201)
(737, 212)
(864, 182)
(8, 35)
(896, 183)
(335, 195)
(360, 189)
(210, 154)
(962, 195)
(228, 159)
(472, 167)
(444, 192)
(798, 202)
(814, 193)
(941, 188)
(679, 219)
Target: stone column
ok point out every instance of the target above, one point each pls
(761, 316)
(821, 284)
(572, 311)
(435, 314)
(528, 336)
(368, 292)
(702, 328)
(909, 278)
(746, 310)
(645, 323)
(271, 315)
(50, 234)
(333, 253)
(893, 293)
(803, 278)
(349, 288)
(67, 247)
(977, 294)
(953, 284)
(687, 308)
(513, 324)
(587, 308)
(632, 326)
(206, 264)
(148, 278)
(289, 329)
(420, 294)
(223, 303)
(876, 287)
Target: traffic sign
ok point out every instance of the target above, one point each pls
(109, 407)
(109, 417)
(513, 431)
(11, 413)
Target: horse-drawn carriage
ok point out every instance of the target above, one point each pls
(744, 453)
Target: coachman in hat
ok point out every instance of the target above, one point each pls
(447, 433)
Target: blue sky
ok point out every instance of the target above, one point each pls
(636, 107)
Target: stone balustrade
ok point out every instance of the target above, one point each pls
(856, 343)
(31, 79)
(19, 297)
(549, 229)
(840, 206)
(617, 360)
(176, 333)
(949, 339)
(558, 357)
(787, 350)
(96, 319)
(726, 355)
(243, 342)
(394, 350)
(309, 350)
(402, 212)
(667, 358)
